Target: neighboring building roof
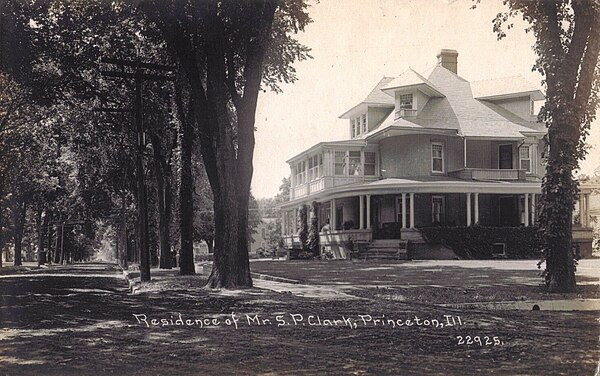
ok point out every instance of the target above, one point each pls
(376, 97)
(507, 87)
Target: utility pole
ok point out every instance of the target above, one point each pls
(139, 75)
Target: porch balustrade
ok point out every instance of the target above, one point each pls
(326, 182)
(339, 236)
(488, 174)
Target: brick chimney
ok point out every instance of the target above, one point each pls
(448, 59)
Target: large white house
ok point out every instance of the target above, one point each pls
(425, 149)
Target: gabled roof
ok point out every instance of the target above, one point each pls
(375, 98)
(460, 111)
(410, 79)
(507, 87)
(378, 96)
(454, 105)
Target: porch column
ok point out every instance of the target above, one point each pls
(283, 222)
(468, 209)
(526, 209)
(332, 216)
(465, 151)
(587, 210)
(361, 211)
(295, 221)
(412, 210)
(368, 212)
(404, 210)
(476, 198)
(533, 209)
(581, 208)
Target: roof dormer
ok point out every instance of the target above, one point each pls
(366, 115)
(410, 91)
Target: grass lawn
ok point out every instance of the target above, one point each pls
(58, 329)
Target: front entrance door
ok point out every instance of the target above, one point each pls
(507, 211)
(505, 157)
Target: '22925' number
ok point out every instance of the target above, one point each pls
(478, 340)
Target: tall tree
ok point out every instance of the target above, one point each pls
(226, 49)
(567, 44)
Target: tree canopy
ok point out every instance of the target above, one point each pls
(567, 35)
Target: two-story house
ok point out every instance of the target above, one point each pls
(424, 149)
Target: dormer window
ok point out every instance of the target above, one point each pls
(405, 106)
(358, 125)
(406, 102)
(364, 123)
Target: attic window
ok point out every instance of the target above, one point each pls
(406, 102)
(358, 125)
(364, 123)
(405, 106)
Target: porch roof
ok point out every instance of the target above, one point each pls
(423, 184)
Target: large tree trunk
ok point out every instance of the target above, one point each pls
(186, 189)
(19, 222)
(161, 192)
(570, 106)
(556, 219)
(41, 225)
(231, 265)
(226, 140)
(49, 233)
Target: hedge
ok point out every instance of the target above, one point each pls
(476, 242)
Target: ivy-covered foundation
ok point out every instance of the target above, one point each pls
(483, 242)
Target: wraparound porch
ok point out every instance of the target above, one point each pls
(380, 211)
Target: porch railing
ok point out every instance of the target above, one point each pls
(488, 174)
(326, 182)
(340, 236)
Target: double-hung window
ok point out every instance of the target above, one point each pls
(369, 163)
(406, 102)
(348, 163)
(363, 123)
(358, 126)
(340, 162)
(354, 163)
(437, 157)
(525, 158)
(315, 167)
(300, 173)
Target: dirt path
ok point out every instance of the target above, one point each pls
(66, 324)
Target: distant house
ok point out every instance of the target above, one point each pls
(590, 206)
(261, 237)
(425, 149)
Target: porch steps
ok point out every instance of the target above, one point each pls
(384, 249)
(412, 235)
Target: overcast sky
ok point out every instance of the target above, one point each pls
(356, 42)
